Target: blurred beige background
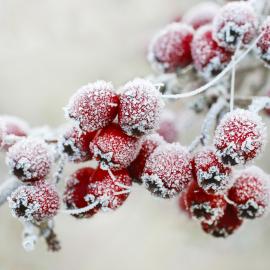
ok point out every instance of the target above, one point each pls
(48, 48)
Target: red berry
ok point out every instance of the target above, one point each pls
(37, 202)
(76, 191)
(170, 49)
(182, 203)
(240, 137)
(203, 206)
(109, 191)
(10, 125)
(29, 160)
(75, 144)
(140, 107)
(114, 148)
(236, 22)
(251, 193)
(211, 174)
(226, 225)
(150, 143)
(167, 127)
(93, 106)
(263, 45)
(201, 14)
(168, 170)
(209, 58)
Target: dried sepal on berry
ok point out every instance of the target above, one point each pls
(236, 22)
(113, 148)
(251, 193)
(203, 206)
(168, 170)
(29, 159)
(37, 202)
(170, 48)
(240, 137)
(208, 57)
(211, 174)
(139, 108)
(93, 106)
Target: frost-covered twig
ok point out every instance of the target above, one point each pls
(60, 169)
(7, 187)
(29, 236)
(81, 210)
(259, 103)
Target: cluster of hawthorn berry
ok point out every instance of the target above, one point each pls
(122, 130)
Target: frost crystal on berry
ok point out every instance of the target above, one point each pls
(240, 137)
(37, 202)
(170, 49)
(93, 106)
(251, 193)
(29, 159)
(168, 170)
(209, 58)
(236, 22)
(211, 174)
(139, 108)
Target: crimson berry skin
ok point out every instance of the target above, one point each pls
(37, 202)
(226, 225)
(201, 14)
(210, 173)
(170, 48)
(263, 45)
(149, 144)
(168, 170)
(203, 206)
(240, 137)
(75, 144)
(93, 106)
(29, 160)
(76, 191)
(11, 125)
(251, 193)
(139, 108)
(113, 148)
(110, 191)
(208, 57)
(236, 22)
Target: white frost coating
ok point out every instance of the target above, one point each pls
(29, 237)
(6, 188)
(259, 103)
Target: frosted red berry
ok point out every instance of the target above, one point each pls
(29, 159)
(75, 144)
(149, 144)
(251, 193)
(236, 22)
(201, 14)
(208, 57)
(182, 203)
(211, 174)
(240, 137)
(11, 126)
(168, 170)
(76, 191)
(110, 191)
(203, 206)
(93, 106)
(139, 108)
(226, 225)
(38, 202)
(170, 48)
(113, 148)
(263, 45)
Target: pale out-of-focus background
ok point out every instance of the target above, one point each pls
(48, 49)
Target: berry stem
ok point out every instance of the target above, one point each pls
(7, 188)
(29, 237)
(81, 210)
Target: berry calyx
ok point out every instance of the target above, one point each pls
(37, 202)
(29, 160)
(113, 148)
(139, 108)
(168, 170)
(240, 137)
(170, 49)
(251, 193)
(93, 106)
